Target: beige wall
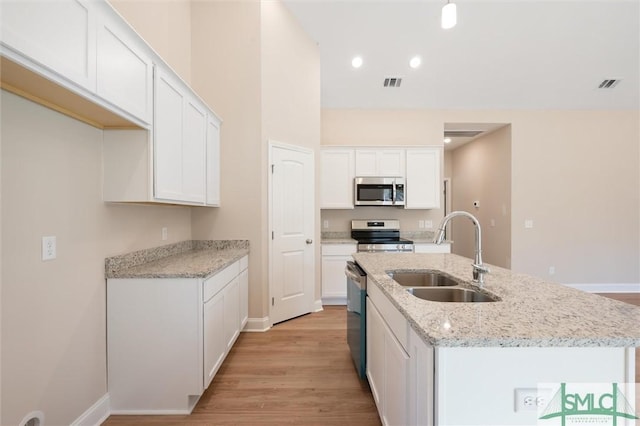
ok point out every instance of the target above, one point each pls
(574, 173)
(290, 98)
(240, 51)
(53, 313)
(481, 170)
(226, 74)
(165, 25)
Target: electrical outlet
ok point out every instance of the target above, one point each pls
(528, 223)
(428, 224)
(421, 224)
(493, 223)
(552, 270)
(49, 248)
(325, 224)
(165, 234)
(530, 399)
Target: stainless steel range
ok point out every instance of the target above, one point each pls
(379, 235)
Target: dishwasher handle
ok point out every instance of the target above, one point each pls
(355, 274)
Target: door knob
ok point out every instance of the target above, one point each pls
(309, 241)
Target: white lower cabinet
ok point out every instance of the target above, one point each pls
(421, 381)
(167, 338)
(416, 384)
(387, 368)
(334, 281)
(432, 248)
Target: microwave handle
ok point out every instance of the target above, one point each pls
(393, 192)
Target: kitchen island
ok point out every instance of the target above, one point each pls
(492, 362)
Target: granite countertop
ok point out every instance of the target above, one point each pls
(531, 312)
(187, 259)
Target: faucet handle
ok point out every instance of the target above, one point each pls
(481, 268)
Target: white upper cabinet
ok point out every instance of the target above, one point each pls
(423, 184)
(59, 35)
(124, 70)
(213, 161)
(380, 162)
(179, 142)
(337, 169)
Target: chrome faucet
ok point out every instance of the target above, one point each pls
(478, 267)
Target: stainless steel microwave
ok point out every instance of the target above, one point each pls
(379, 191)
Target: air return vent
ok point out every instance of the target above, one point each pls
(462, 133)
(392, 82)
(609, 83)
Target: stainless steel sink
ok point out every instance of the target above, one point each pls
(456, 294)
(422, 279)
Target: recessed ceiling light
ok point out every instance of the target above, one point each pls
(447, 140)
(415, 62)
(356, 62)
(449, 15)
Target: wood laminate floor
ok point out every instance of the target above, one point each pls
(298, 373)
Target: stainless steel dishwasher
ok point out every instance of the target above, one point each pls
(356, 316)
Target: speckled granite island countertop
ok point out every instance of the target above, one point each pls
(531, 312)
(187, 259)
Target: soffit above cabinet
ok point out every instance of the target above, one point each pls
(23, 82)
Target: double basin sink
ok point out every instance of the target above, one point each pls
(438, 287)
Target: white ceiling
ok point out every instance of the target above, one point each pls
(502, 54)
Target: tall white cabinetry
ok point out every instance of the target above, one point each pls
(167, 337)
(421, 166)
(337, 168)
(124, 75)
(81, 58)
(423, 178)
(60, 36)
(180, 142)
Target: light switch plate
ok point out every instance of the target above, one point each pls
(528, 224)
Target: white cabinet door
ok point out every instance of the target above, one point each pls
(124, 72)
(380, 162)
(424, 183)
(421, 381)
(396, 365)
(57, 34)
(179, 142)
(244, 298)
(387, 369)
(194, 142)
(231, 312)
(334, 281)
(213, 161)
(366, 162)
(375, 354)
(215, 345)
(337, 169)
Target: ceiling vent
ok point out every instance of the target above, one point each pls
(609, 83)
(462, 133)
(392, 82)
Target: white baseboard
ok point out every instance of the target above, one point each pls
(257, 325)
(317, 306)
(334, 300)
(96, 414)
(607, 288)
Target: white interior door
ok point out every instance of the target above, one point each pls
(292, 217)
